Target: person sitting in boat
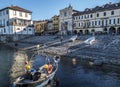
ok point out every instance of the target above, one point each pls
(36, 76)
(28, 70)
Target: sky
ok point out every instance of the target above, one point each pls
(45, 9)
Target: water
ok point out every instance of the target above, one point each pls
(70, 74)
(6, 60)
(80, 74)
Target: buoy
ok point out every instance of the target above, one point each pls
(74, 61)
(45, 66)
(49, 69)
(28, 67)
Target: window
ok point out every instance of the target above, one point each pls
(24, 29)
(104, 13)
(74, 25)
(97, 22)
(14, 12)
(81, 17)
(97, 14)
(104, 22)
(4, 30)
(79, 24)
(112, 12)
(92, 23)
(3, 12)
(74, 18)
(65, 14)
(7, 23)
(20, 14)
(112, 21)
(118, 21)
(91, 15)
(26, 15)
(4, 22)
(7, 11)
(85, 16)
(82, 24)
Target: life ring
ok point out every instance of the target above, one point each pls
(49, 69)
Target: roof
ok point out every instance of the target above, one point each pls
(75, 10)
(105, 7)
(17, 8)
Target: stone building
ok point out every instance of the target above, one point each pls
(66, 20)
(16, 20)
(101, 19)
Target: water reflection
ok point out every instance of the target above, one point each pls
(6, 58)
(83, 75)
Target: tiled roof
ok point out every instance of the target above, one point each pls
(17, 8)
(105, 7)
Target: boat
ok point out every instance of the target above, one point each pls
(73, 38)
(90, 41)
(38, 78)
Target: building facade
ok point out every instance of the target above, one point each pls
(40, 27)
(105, 19)
(66, 20)
(15, 20)
(49, 25)
(55, 21)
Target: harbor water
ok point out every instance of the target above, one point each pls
(71, 72)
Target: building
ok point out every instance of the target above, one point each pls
(16, 20)
(55, 21)
(105, 19)
(40, 27)
(49, 25)
(66, 20)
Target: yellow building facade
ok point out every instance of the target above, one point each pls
(55, 21)
(40, 27)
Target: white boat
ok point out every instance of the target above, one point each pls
(73, 38)
(39, 79)
(90, 40)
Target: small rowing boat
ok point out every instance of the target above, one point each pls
(38, 78)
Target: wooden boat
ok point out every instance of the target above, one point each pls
(40, 78)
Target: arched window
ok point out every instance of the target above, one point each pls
(29, 29)
(24, 29)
